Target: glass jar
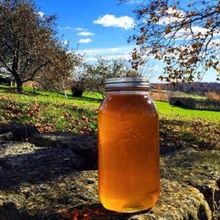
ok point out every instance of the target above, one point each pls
(128, 151)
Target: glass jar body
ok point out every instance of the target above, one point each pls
(128, 153)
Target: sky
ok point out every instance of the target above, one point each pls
(95, 26)
(99, 28)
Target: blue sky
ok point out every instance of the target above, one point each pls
(92, 24)
(98, 28)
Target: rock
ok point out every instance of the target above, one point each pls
(200, 169)
(24, 162)
(7, 136)
(177, 201)
(50, 139)
(84, 146)
(20, 131)
(2, 118)
(2, 172)
(9, 211)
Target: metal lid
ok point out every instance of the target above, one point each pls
(127, 82)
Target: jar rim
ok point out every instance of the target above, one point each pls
(127, 82)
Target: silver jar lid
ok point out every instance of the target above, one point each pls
(127, 82)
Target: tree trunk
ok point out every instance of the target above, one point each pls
(18, 83)
(19, 86)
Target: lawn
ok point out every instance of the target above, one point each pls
(166, 110)
(53, 112)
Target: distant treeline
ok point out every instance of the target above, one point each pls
(199, 88)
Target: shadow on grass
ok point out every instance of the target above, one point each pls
(194, 134)
(32, 92)
(87, 99)
(13, 90)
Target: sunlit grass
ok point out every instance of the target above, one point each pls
(166, 110)
(93, 100)
(50, 111)
(90, 99)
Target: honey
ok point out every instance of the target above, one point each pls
(128, 167)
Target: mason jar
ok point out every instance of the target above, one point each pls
(128, 146)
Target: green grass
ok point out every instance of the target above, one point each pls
(92, 100)
(166, 110)
(197, 129)
(50, 111)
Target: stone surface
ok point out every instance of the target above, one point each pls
(200, 169)
(82, 145)
(72, 194)
(54, 177)
(24, 162)
(20, 132)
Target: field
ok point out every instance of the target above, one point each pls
(53, 112)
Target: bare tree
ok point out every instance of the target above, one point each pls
(185, 35)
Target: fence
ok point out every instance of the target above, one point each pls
(193, 103)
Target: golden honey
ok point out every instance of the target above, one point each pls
(128, 152)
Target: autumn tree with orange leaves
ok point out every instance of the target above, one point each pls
(185, 35)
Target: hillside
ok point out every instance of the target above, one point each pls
(52, 112)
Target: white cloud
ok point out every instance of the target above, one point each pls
(183, 34)
(108, 53)
(216, 41)
(84, 41)
(135, 2)
(108, 20)
(65, 42)
(40, 14)
(85, 33)
(204, 31)
(152, 70)
(65, 28)
(80, 29)
(173, 16)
